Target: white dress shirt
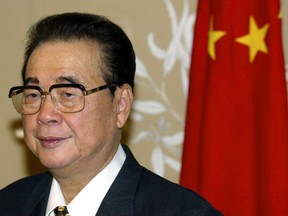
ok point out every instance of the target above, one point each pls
(88, 200)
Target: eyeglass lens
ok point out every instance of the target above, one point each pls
(66, 99)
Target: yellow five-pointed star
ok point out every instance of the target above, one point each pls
(280, 15)
(255, 39)
(213, 37)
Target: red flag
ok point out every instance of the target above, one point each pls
(236, 137)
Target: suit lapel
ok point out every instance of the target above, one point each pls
(120, 197)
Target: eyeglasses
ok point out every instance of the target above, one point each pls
(68, 98)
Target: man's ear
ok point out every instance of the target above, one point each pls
(124, 106)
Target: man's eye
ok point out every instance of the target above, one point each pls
(67, 94)
(32, 95)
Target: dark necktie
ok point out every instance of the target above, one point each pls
(61, 211)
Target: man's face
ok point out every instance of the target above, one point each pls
(70, 141)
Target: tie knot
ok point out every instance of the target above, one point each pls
(61, 211)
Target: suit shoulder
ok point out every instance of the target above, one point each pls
(158, 184)
(27, 193)
(25, 184)
(162, 192)
(156, 196)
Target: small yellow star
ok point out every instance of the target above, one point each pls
(255, 39)
(280, 15)
(213, 37)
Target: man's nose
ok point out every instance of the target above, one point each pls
(48, 112)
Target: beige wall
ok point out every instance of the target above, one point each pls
(155, 135)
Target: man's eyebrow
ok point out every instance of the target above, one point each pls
(31, 80)
(61, 79)
(69, 79)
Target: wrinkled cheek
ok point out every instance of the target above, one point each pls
(30, 140)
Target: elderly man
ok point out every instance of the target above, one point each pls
(77, 93)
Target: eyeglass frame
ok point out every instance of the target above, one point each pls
(13, 91)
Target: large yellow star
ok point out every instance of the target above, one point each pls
(255, 39)
(213, 37)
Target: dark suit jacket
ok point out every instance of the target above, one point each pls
(135, 191)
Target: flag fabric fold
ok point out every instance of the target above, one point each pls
(235, 150)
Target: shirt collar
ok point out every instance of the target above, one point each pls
(92, 194)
